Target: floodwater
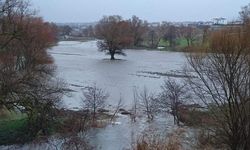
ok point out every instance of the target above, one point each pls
(80, 64)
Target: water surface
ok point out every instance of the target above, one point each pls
(81, 64)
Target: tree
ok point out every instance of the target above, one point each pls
(135, 104)
(190, 34)
(245, 14)
(138, 29)
(153, 38)
(170, 34)
(27, 73)
(205, 34)
(117, 108)
(172, 97)
(154, 35)
(65, 30)
(94, 99)
(147, 103)
(223, 84)
(88, 31)
(115, 35)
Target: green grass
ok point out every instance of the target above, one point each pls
(181, 42)
(163, 43)
(13, 131)
(13, 127)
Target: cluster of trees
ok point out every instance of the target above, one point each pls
(64, 31)
(117, 34)
(27, 73)
(172, 96)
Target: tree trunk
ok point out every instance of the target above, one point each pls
(112, 54)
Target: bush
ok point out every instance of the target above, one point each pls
(14, 132)
(153, 141)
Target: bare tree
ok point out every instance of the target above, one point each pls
(147, 103)
(135, 104)
(223, 84)
(172, 97)
(117, 108)
(155, 33)
(190, 34)
(205, 34)
(138, 29)
(245, 14)
(170, 33)
(94, 99)
(114, 34)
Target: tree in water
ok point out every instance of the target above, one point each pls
(172, 97)
(94, 99)
(114, 34)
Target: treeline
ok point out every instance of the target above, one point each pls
(142, 34)
(117, 34)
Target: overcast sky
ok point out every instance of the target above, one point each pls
(152, 10)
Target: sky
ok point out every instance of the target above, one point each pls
(65, 11)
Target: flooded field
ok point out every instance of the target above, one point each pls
(81, 64)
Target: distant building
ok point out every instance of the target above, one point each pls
(154, 24)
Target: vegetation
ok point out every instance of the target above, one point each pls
(172, 97)
(13, 127)
(94, 100)
(27, 80)
(153, 141)
(147, 103)
(115, 35)
(223, 80)
(218, 74)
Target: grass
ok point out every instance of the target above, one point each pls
(181, 43)
(163, 43)
(13, 127)
(152, 141)
(13, 131)
(195, 117)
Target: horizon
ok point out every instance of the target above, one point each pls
(83, 11)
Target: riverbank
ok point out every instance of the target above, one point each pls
(74, 127)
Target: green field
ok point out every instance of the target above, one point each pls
(13, 127)
(180, 43)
